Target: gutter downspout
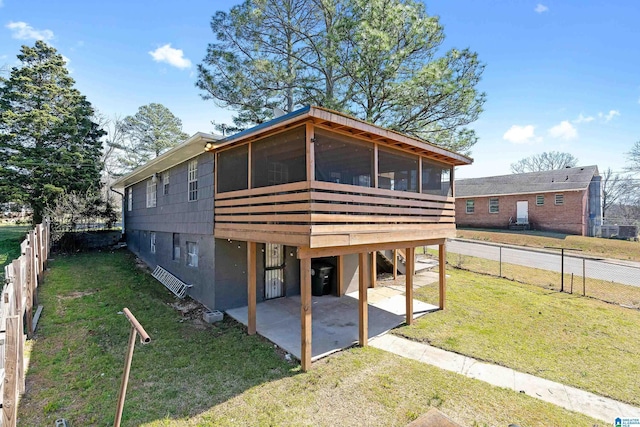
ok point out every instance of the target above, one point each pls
(122, 205)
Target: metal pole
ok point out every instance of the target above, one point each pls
(584, 280)
(562, 270)
(144, 337)
(500, 261)
(571, 292)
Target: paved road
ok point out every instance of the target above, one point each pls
(595, 269)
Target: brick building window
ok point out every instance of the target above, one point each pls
(539, 200)
(494, 206)
(193, 180)
(471, 206)
(151, 193)
(559, 199)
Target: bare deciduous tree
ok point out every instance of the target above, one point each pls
(549, 160)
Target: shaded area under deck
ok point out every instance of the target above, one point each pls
(335, 320)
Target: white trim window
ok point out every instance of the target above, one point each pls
(152, 194)
(152, 242)
(471, 206)
(494, 205)
(559, 199)
(193, 180)
(192, 254)
(130, 199)
(540, 200)
(165, 183)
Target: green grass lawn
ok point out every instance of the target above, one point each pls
(10, 238)
(567, 338)
(194, 374)
(606, 248)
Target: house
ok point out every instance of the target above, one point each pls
(565, 200)
(241, 218)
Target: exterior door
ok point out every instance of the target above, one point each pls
(273, 271)
(522, 212)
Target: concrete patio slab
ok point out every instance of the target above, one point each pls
(334, 320)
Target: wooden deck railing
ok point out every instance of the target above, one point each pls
(19, 296)
(322, 208)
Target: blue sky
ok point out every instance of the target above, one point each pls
(560, 75)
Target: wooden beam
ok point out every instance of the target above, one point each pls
(307, 252)
(442, 264)
(311, 153)
(340, 276)
(410, 271)
(395, 264)
(251, 287)
(375, 165)
(363, 308)
(249, 167)
(305, 314)
(374, 262)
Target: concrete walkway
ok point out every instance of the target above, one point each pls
(570, 398)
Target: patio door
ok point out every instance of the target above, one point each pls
(273, 271)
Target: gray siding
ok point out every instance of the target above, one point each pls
(173, 212)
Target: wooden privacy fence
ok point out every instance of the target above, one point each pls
(19, 297)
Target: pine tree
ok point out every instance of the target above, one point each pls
(147, 134)
(49, 143)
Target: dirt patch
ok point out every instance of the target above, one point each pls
(75, 295)
(191, 310)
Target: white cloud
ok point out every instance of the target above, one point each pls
(610, 115)
(564, 130)
(540, 8)
(520, 134)
(24, 31)
(584, 119)
(171, 56)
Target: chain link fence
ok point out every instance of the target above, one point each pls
(557, 269)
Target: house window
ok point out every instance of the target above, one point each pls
(176, 247)
(471, 206)
(130, 199)
(539, 200)
(192, 254)
(193, 180)
(494, 205)
(165, 183)
(151, 193)
(559, 199)
(152, 242)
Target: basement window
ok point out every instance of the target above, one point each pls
(192, 254)
(152, 242)
(494, 206)
(540, 200)
(471, 206)
(559, 199)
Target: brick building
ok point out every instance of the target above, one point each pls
(566, 200)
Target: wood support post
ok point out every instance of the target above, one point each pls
(305, 314)
(251, 287)
(340, 276)
(10, 392)
(410, 266)
(442, 268)
(363, 308)
(374, 267)
(395, 264)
